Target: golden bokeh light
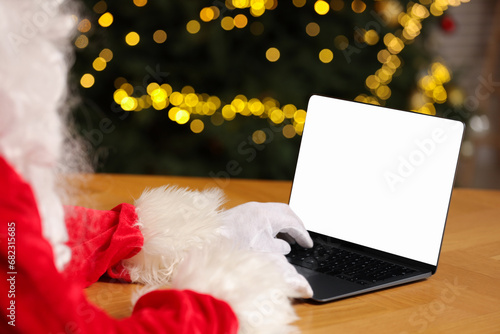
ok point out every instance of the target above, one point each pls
(420, 11)
(105, 20)
(172, 112)
(228, 113)
(270, 4)
(427, 109)
(358, 6)
(106, 54)
(257, 11)
(384, 75)
(241, 3)
(259, 137)
(100, 7)
(337, 5)
(270, 103)
(312, 29)
(207, 14)
(193, 26)
(240, 21)
(300, 116)
(393, 43)
(299, 3)
(326, 56)
(215, 101)
(321, 7)
(383, 92)
(132, 38)
(128, 88)
(238, 104)
(227, 23)
(182, 116)
(84, 26)
(158, 95)
(140, 3)
(372, 82)
(273, 54)
(87, 80)
(191, 100)
(371, 37)
(277, 116)
(176, 98)
(119, 95)
(440, 73)
(383, 56)
(167, 88)
(256, 107)
(160, 36)
(439, 95)
(298, 127)
(81, 42)
(289, 110)
(289, 131)
(99, 64)
(187, 89)
(216, 11)
(197, 125)
(160, 104)
(436, 10)
(129, 103)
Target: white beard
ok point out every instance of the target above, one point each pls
(34, 54)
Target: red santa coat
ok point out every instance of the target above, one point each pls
(38, 299)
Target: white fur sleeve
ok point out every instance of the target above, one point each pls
(173, 221)
(248, 281)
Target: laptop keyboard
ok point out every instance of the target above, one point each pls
(344, 264)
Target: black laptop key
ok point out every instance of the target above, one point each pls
(344, 264)
(310, 262)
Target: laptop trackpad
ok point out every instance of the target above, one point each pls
(327, 287)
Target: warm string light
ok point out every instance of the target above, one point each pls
(431, 85)
(188, 106)
(183, 105)
(431, 89)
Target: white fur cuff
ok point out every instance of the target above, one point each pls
(172, 221)
(248, 281)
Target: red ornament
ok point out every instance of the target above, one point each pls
(448, 24)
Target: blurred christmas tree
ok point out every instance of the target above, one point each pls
(220, 88)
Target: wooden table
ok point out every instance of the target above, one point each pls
(462, 297)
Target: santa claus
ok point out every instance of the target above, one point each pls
(225, 268)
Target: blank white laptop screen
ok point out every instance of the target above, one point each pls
(377, 177)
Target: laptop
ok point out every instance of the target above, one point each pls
(373, 187)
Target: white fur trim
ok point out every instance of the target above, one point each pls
(247, 280)
(172, 221)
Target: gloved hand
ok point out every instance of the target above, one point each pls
(294, 281)
(255, 225)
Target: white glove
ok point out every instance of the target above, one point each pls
(294, 281)
(255, 225)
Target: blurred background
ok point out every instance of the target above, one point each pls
(220, 88)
